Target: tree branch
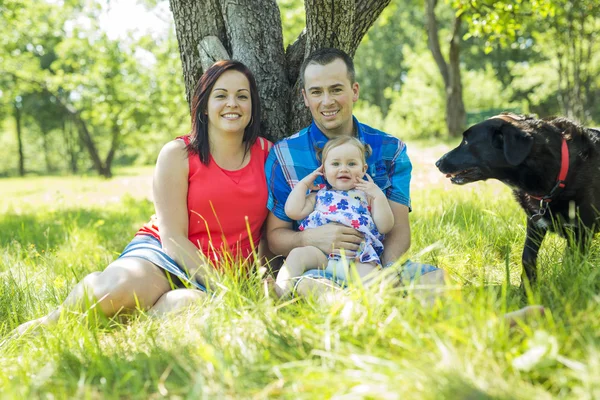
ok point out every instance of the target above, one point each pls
(433, 40)
(367, 12)
(295, 55)
(211, 50)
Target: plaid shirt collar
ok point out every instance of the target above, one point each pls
(318, 138)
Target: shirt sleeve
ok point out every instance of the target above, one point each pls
(279, 189)
(400, 173)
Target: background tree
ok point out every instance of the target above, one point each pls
(456, 116)
(561, 32)
(62, 75)
(251, 31)
(381, 65)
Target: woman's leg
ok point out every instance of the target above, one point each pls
(176, 300)
(125, 284)
(296, 263)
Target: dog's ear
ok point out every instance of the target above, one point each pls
(517, 144)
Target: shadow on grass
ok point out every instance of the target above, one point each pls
(50, 229)
(453, 386)
(118, 374)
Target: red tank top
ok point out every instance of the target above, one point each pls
(226, 209)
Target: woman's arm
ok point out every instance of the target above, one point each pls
(170, 190)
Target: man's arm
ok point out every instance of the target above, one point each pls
(281, 236)
(397, 241)
(328, 238)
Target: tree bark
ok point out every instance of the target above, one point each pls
(255, 37)
(250, 31)
(455, 109)
(195, 20)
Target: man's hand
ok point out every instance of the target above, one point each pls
(333, 237)
(369, 187)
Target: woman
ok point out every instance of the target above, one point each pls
(210, 197)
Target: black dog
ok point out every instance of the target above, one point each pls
(552, 165)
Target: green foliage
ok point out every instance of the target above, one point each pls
(418, 110)
(129, 93)
(501, 21)
(384, 342)
(380, 59)
(293, 19)
(560, 32)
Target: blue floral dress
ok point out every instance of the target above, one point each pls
(350, 208)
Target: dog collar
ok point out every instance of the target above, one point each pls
(562, 175)
(564, 163)
(558, 187)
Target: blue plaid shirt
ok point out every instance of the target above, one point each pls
(292, 158)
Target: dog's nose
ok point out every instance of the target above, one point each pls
(438, 162)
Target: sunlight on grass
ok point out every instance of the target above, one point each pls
(382, 343)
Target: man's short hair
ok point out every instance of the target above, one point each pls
(325, 56)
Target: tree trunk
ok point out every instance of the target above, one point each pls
(85, 137)
(455, 109)
(114, 145)
(88, 142)
(46, 144)
(17, 114)
(67, 126)
(250, 31)
(456, 117)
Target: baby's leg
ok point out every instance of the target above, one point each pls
(300, 260)
(364, 271)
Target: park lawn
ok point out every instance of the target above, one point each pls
(382, 343)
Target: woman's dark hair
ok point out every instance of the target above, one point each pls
(199, 134)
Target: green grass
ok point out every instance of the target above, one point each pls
(378, 344)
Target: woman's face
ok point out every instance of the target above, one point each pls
(229, 104)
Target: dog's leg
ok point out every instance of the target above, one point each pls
(535, 237)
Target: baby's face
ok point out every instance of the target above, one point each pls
(344, 166)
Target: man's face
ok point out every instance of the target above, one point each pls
(330, 95)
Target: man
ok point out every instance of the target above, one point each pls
(329, 90)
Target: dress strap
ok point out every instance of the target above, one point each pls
(265, 146)
(185, 138)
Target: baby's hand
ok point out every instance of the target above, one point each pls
(309, 180)
(369, 187)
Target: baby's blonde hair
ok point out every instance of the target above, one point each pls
(365, 149)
